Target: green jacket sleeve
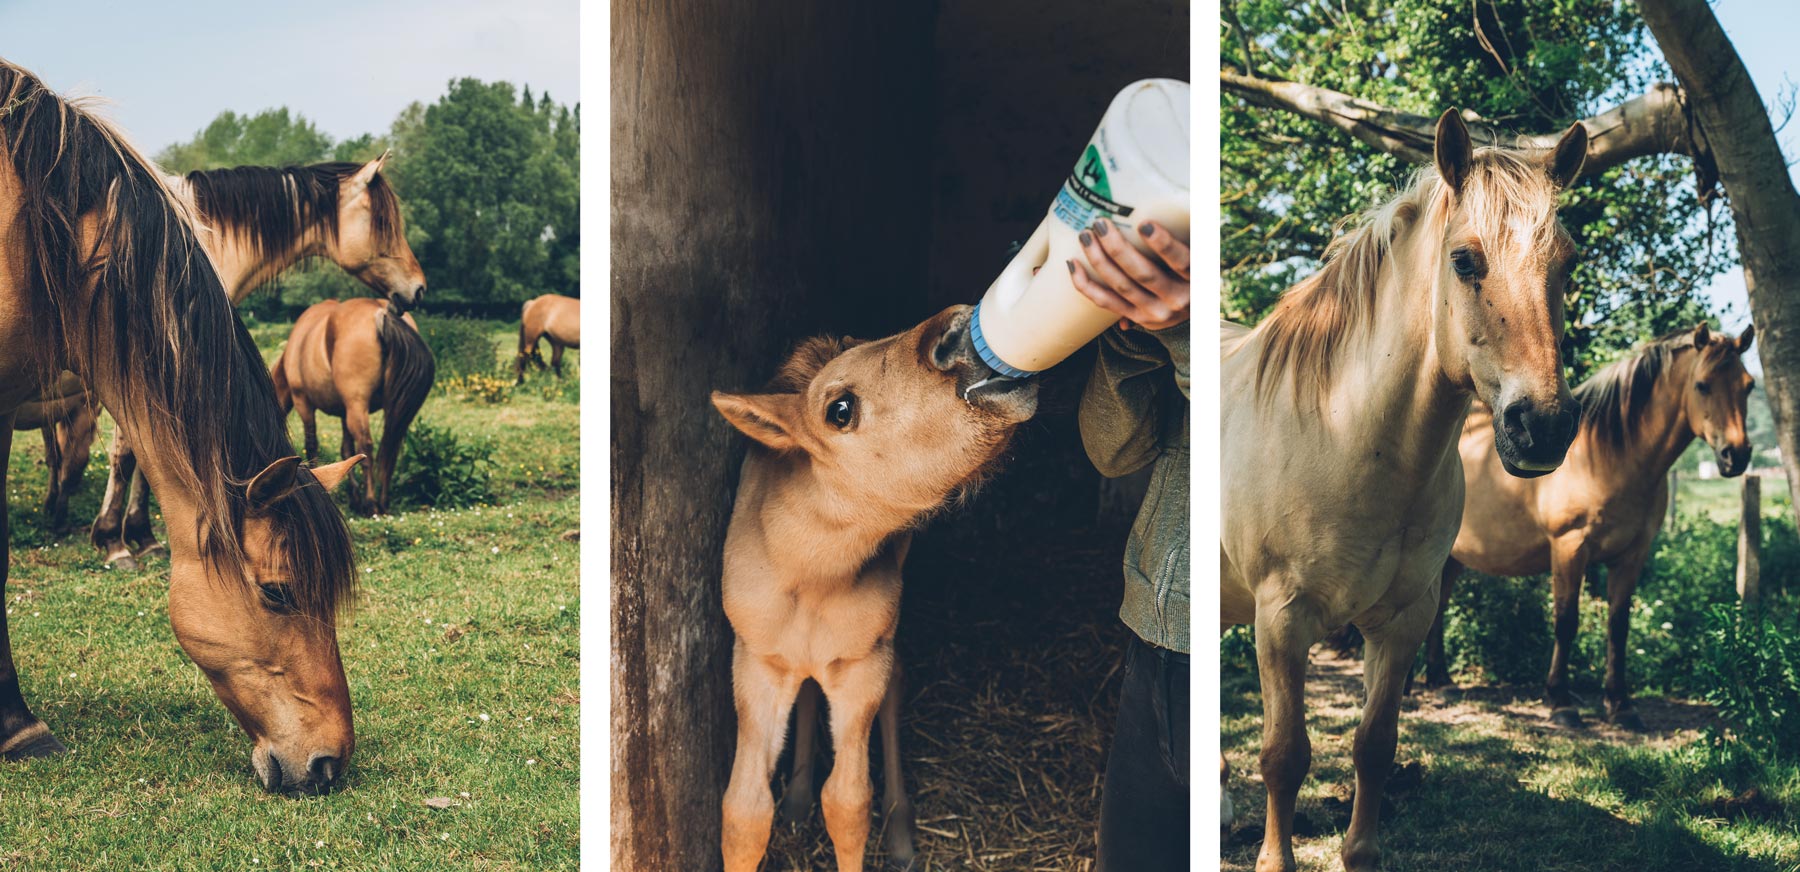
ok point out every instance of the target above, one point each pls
(1124, 405)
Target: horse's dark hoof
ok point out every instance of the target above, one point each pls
(125, 563)
(1567, 718)
(1433, 682)
(42, 745)
(1629, 721)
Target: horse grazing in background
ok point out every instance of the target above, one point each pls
(66, 418)
(1340, 412)
(856, 444)
(1607, 502)
(262, 221)
(553, 317)
(351, 359)
(101, 274)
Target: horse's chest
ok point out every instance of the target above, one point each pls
(803, 626)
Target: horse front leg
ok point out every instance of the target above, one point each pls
(139, 533)
(763, 696)
(1568, 565)
(109, 525)
(77, 440)
(556, 353)
(1284, 633)
(1621, 585)
(356, 425)
(796, 802)
(56, 504)
(22, 735)
(854, 690)
(1388, 654)
(897, 809)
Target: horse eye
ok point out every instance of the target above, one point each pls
(1703, 387)
(1466, 263)
(842, 412)
(277, 598)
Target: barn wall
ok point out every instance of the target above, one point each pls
(766, 160)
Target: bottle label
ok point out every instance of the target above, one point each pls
(1087, 193)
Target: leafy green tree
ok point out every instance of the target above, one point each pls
(272, 137)
(1647, 245)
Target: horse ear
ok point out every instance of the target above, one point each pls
(767, 418)
(1744, 339)
(366, 175)
(273, 484)
(1702, 335)
(1454, 152)
(333, 474)
(1570, 153)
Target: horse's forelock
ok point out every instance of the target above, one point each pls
(807, 359)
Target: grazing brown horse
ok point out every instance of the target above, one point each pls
(1606, 504)
(264, 220)
(553, 317)
(1340, 414)
(856, 443)
(350, 359)
(101, 274)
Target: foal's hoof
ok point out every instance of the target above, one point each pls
(43, 744)
(1567, 718)
(1629, 721)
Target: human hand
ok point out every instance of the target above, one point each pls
(1129, 283)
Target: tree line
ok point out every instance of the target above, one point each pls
(489, 176)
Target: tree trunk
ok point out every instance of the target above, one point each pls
(766, 163)
(1734, 125)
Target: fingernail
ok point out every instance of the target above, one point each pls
(1086, 238)
(1072, 263)
(1146, 229)
(1100, 227)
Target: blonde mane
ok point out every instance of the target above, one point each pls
(1505, 189)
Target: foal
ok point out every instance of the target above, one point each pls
(857, 442)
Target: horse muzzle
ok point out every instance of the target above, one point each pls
(1733, 460)
(318, 776)
(1532, 439)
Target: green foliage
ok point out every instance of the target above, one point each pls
(1500, 627)
(462, 346)
(272, 137)
(1646, 247)
(440, 470)
(1751, 671)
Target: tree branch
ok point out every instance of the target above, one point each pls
(1651, 123)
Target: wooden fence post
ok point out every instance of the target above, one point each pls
(1749, 565)
(1674, 491)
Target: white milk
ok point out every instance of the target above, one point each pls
(1134, 169)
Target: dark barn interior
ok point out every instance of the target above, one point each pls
(786, 169)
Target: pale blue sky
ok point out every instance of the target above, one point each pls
(169, 67)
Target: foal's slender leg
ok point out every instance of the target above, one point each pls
(763, 696)
(1568, 566)
(1284, 632)
(1387, 661)
(1437, 666)
(22, 735)
(854, 690)
(897, 809)
(110, 523)
(796, 803)
(1621, 584)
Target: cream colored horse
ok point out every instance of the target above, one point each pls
(856, 444)
(1607, 502)
(1342, 486)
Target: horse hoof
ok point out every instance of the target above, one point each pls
(796, 809)
(154, 549)
(1433, 682)
(1567, 718)
(1629, 721)
(899, 864)
(123, 563)
(42, 745)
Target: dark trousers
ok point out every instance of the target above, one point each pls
(1144, 800)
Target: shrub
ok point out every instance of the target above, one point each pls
(1500, 627)
(1750, 666)
(462, 346)
(438, 469)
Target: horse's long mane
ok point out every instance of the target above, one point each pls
(1611, 398)
(1315, 316)
(147, 315)
(273, 208)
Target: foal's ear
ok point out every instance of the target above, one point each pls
(1744, 339)
(273, 484)
(366, 175)
(1454, 152)
(333, 474)
(1702, 335)
(767, 418)
(1570, 153)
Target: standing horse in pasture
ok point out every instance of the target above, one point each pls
(1607, 502)
(101, 274)
(856, 444)
(350, 359)
(1342, 485)
(262, 221)
(553, 317)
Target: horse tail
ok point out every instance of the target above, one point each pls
(284, 396)
(407, 373)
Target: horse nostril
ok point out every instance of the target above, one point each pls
(325, 770)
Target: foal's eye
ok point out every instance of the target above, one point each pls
(1466, 262)
(277, 598)
(1703, 387)
(842, 412)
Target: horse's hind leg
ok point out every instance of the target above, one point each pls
(1284, 633)
(77, 440)
(139, 534)
(309, 427)
(1568, 566)
(797, 801)
(22, 735)
(854, 690)
(1621, 583)
(763, 697)
(56, 504)
(109, 524)
(556, 353)
(897, 818)
(1388, 654)
(1437, 665)
(356, 421)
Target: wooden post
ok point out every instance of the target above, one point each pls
(1674, 491)
(1749, 565)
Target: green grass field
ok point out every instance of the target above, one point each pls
(462, 655)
